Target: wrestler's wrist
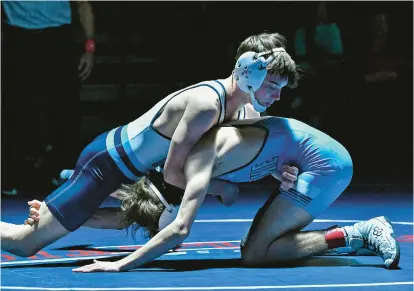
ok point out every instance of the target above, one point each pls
(121, 266)
(90, 46)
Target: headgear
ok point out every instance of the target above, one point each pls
(170, 212)
(250, 72)
(171, 199)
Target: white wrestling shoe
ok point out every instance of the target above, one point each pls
(376, 235)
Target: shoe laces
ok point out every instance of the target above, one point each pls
(378, 242)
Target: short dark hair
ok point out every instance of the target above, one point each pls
(282, 65)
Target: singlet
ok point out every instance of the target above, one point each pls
(145, 147)
(287, 141)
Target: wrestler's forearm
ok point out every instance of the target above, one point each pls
(164, 241)
(86, 18)
(175, 233)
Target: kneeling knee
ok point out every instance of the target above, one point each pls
(251, 259)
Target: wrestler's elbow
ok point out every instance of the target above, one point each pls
(181, 228)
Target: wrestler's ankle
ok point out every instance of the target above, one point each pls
(335, 238)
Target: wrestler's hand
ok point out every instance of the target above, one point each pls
(33, 212)
(289, 177)
(85, 66)
(98, 266)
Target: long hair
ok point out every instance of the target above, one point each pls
(282, 65)
(140, 207)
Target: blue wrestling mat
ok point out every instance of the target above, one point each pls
(210, 257)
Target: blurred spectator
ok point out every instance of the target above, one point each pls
(381, 93)
(319, 52)
(41, 74)
(380, 65)
(319, 43)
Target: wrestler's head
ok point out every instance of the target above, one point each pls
(263, 68)
(143, 205)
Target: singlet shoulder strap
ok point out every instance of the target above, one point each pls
(242, 113)
(223, 99)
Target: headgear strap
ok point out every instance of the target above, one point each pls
(158, 193)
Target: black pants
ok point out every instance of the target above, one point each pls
(40, 99)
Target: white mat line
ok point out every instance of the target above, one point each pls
(316, 220)
(59, 260)
(211, 288)
(183, 244)
(75, 259)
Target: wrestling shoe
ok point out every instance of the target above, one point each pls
(376, 235)
(346, 251)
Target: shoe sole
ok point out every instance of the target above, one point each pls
(348, 251)
(387, 222)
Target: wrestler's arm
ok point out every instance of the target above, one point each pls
(200, 115)
(198, 169)
(86, 18)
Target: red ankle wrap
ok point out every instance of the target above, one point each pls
(335, 238)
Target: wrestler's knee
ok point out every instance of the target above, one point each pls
(252, 256)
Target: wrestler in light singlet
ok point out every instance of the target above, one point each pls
(325, 166)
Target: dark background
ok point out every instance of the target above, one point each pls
(146, 50)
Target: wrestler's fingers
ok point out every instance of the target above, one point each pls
(289, 177)
(29, 221)
(286, 186)
(34, 211)
(34, 203)
(290, 169)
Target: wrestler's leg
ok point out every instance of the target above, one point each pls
(103, 218)
(275, 234)
(69, 206)
(27, 240)
(67, 173)
(65, 210)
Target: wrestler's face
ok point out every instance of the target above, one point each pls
(270, 90)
